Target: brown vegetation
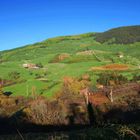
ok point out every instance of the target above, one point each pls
(118, 67)
(73, 85)
(71, 108)
(60, 57)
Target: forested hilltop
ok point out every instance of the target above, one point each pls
(121, 35)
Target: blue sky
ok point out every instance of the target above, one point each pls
(27, 21)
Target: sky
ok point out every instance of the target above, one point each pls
(25, 22)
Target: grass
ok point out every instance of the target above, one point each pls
(75, 65)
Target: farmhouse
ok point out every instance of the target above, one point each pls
(120, 55)
(30, 66)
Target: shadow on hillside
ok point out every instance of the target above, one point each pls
(11, 125)
(17, 123)
(7, 126)
(75, 116)
(118, 115)
(91, 114)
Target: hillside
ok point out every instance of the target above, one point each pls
(121, 35)
(63, 56)
(69, 83)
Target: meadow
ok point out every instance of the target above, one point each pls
(83, 53)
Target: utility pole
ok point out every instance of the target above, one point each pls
(111, 96)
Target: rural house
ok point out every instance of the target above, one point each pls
(30, 66)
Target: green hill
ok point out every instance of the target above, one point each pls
(122, 35)
(57, 69)
(60, 57)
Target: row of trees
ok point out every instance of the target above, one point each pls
(111, 79)
(114, 78)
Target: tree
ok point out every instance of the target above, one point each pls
(1, 85)
(111, 79)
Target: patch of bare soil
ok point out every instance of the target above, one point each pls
(60, 58)
(63, 56)
(112, 67)
(98, 99)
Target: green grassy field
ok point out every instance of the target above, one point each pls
(75, 65)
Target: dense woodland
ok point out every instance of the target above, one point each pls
(122, 35)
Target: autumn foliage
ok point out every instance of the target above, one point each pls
(74, 85)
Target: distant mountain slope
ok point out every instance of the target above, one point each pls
(121, 35)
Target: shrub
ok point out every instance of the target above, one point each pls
(1, 90)
(136, 78)
(1, 84)
(42, 111)
(111, 78)
(40, 65)
(73, 85)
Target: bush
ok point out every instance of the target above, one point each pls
(54, 112)
(1, 86)
(73, 85)
(111, 79)
(126, 60)
(136, 78)
(42, 111)
(1, 92)
(40, 65)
